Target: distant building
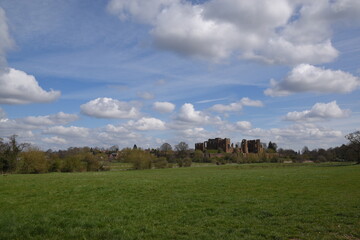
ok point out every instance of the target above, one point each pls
(247, 146)
(251, 146)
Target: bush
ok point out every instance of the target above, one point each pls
(184, 162)
(187, 162)
(73, 164)
(139, 158)
(32, 161)
(54, 165)
(92, 162)
(198, 156)
(160, 162)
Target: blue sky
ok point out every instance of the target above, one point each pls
(145, 72)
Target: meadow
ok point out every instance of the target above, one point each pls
(249, 201)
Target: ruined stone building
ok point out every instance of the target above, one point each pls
(215, 144)
(247, 146)
(251, 146)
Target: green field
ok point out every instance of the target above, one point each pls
(258, 201)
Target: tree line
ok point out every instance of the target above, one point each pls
(18, 157)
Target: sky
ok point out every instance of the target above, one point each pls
(94, 73)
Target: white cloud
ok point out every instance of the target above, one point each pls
(188, 114)
(308, 78)
(17, 87)
(55, 140)
(109, 108)
(143, 10)
(198, 134)
(320, 111)
(116, 129)
(144, 124)
(298, 135)
(252, 103)
(243, 125)
(164, 107)
(274, 31)
(282, 51)
(236, 106)
(71, 131)
(59, 118)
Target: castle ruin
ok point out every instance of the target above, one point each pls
(247, 146)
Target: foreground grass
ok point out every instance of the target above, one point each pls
(258, 201)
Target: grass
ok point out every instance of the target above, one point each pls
(255, 201)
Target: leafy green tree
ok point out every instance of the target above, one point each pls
(32, 161)
(10, 152)
(272, 147)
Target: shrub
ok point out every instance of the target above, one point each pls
(187, 162)
(54, 165)
(198, 156)
(92, 162)
(160, 162)
(139, 158)
(184, 162)
(73, 164)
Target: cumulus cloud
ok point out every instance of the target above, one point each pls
(144, 124)
(55, 119)
(188, 114)
(297, 133)
(243, 125)
(55, 140)
(320, 111)
(12, 126)
(17, 87)
(71, 131)
(164, 107)
(198, 134)
(276, 31)
(116, 129)
(236, 106)
(110, 108)
(308, 78)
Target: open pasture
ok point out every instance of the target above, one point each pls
(257, 201)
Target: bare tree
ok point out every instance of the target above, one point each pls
(354, 143)
(165, 147)
(182, 149)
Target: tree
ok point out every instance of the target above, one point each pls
(354, 143)
(165, 147)
(9, 153)
(272, 147)
(198, 156)
(182, 149)
(113, 149)
(32, 161)
(305, 150)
